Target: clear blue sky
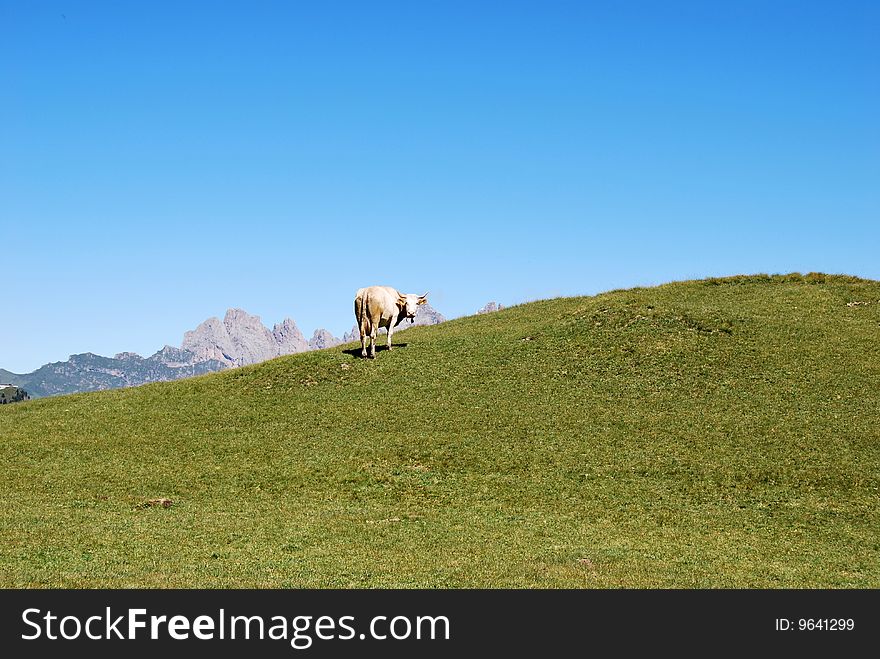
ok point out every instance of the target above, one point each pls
(163, 161)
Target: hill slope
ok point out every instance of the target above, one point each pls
(720, 433)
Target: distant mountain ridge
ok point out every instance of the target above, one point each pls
(91, 372)
(237, 340)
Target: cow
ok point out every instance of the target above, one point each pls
(383, 306)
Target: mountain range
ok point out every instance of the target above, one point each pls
(238, 339)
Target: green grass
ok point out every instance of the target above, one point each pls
(718, 433)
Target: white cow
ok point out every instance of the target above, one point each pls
(383, 306)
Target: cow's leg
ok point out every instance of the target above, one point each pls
(373, 333)
(365, 328)
(390, 330)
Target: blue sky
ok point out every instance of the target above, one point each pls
(163, 161)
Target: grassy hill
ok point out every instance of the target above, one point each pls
(719, 433)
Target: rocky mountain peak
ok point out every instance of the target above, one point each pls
(489, 307)
(242, 339)
(289, 338)
(428, 315)
(251, 341)
(323, 339)
(210, 340)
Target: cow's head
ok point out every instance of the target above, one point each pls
(409, 304)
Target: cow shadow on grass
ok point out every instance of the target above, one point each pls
(356, 352)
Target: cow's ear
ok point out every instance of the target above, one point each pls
(423, 299)
(401, 299)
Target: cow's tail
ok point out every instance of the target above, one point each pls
(361, 304)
